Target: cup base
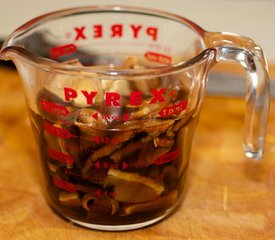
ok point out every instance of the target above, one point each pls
(117, 228)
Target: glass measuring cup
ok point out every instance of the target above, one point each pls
(114, 95)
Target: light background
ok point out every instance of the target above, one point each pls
(252, 18)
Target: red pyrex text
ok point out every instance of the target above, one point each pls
(113, 98)
(115, 31)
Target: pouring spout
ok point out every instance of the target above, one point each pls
(10, 54)
(4, 55)
(16, 54)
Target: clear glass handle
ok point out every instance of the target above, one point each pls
(231, 47)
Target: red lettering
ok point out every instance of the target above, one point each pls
(157, 57)
(67, 186)
(98, 31)
(89, 96)
(136, 30)
(57, 131)
(135, 98)
(80, 33)
(69, 93)
(174, 109)
(61, 157)
(112, 98)
(157, 95)
(62, 50)
(54, 108)
(117, 30)
(152, 32)
(168, 157)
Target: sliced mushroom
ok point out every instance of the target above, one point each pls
(132, 187)
(153, 132)
(86, 189)
(87, 81)
(74, 61)
(71, 199)
(163, 142)
(53, 167)
(88, 200)
(170, 133)
(128, 150)
(161, 202)
(91, 202)
(105, 150)
(183, 121)
(147, 111)
(122, 87)
(130, 62)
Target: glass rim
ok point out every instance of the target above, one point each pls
(51, 65)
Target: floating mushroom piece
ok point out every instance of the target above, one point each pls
(53, 167)
(170, 133)
(128, 150)
(105, 150)
(109, 148)
(86, 189)
(183, 121)
(55, 89)
(68, 198)
(91, 202)
(163, 142)
(147, 111)
(88, 200)
(74, 61)
(158, 203)
(130, 63)
(132, 187)
(153, 132)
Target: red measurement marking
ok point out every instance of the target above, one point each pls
(57, 131)
(60, 157)
(95, 116)
(105, 165)
(168, 157)
(104, 193)
(64, 185)
(105, 140)
(173, 109)
(123, 117)
(124, 165)
(98, 193)
(119, 117)
(97, 165)
(157, 57)
(54, 108)
(63, 50)
(110, 165)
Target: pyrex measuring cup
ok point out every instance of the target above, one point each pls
(114, 95)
